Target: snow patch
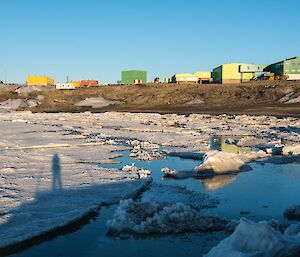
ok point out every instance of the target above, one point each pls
(96, 102)
(11, 104)
(294, 100)
(26, 90)
(195, 101)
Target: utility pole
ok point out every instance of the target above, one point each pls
(5, 76)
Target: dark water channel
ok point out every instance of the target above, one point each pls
(263, 193)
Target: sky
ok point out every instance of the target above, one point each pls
(97, 39)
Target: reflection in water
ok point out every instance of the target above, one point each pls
(217, 143)
(218, 182)
(56, 174)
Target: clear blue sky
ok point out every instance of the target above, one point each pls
(97, 39)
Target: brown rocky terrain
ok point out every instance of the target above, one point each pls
(281, 98)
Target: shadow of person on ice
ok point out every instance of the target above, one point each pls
(56, 174)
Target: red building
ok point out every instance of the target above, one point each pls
(89, 83)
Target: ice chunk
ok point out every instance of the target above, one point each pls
(168, 171)
(275, 150)
(165, 209)
(175, 194)
(218, 163)
(141, 172)
(132, 217)
(222, 163)
(250, 239)
(145, 155)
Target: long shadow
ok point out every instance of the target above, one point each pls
(37, 218)
(60, 211)
(56, 174)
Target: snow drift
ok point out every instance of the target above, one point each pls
(96, 102)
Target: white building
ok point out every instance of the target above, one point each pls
(65, 86)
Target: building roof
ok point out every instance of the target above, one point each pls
(185, 75)
(134, 71)
(292, 58)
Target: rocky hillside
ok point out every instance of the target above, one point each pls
(264, 97)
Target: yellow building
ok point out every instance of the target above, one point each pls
(184, 78)
(203, 75)
(75, 83)
(40, 81)
(197, 77)
(235, 72)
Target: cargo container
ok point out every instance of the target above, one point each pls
(128, 77)
(75, 83)
(235, 72)
(289, 68)
(40, 81)
(89, 83)
(65, 86)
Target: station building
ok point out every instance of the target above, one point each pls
(235, 72)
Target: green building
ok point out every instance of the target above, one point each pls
(289, 67)
(131, 76)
